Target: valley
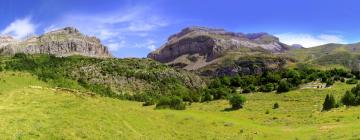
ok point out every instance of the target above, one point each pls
(30, 112)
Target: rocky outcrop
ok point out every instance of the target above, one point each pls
(212, 43)
(63, 42)
(196, 47)
(246, 66)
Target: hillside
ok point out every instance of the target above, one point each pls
(329, 55)
(212, 51)
(111, 77)
(31, 109)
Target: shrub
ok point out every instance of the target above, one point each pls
(283, 87)
(172, 102)
(249, 88)
(276, 105)
(237, 101)
(329, 102)
(342, 79)
(329, 82)
(149, 103)
(207, 97)
(267, 88)
(351, 81)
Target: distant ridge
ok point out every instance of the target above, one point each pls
(63, 42)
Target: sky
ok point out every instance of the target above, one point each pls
(133, 28)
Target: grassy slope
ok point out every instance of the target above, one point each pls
(329, 56)
(27, 112)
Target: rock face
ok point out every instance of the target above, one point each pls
(64, 42)
(196, 48)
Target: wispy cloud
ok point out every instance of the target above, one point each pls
(20, 28)
(309, 40)
(129, 27)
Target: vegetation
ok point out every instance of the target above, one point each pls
(351, 81)
(329, 102)
(352, 97)
(276, 106)
(33, 109)
(172, 102)
(131, 79)
(237, 101)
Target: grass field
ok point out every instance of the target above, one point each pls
(30, 109)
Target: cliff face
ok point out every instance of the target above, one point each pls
(200, 48)
(212, 43)
(63, 42)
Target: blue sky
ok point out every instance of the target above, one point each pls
(132, 28)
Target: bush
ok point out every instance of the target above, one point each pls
(276, 105)
(207, 97)
(149, 102)
(329, 82)
(237, 101)
(248, 89)
(342, 79)
(267, 88)
(172, 102)
(329, 102)
(351, 81)
(283, 87)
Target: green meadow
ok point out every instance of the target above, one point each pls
(31, 109)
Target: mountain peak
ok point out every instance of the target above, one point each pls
(212, 43)
(63, 42)
(66, 30)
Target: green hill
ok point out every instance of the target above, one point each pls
(329, 56)
(111, 77)
(32, 109)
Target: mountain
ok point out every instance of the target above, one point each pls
(216, 51)
(329, 55)
(63, 42)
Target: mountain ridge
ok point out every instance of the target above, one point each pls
(63, 42)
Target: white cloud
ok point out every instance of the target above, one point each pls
(133, 24)
(149, 44)
(20, 28)
(115, 46)
(152, 47)
(308, 40)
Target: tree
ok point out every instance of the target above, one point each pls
(283, 87)
(329, 102)
(348, 99)
(237, 101)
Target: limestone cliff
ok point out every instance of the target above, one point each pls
(63, 42)
(201, 48)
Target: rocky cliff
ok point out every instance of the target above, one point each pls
(197, 48)
(63, 42)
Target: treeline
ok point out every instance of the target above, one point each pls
(279, 82)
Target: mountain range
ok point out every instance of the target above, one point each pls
(205, 51)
